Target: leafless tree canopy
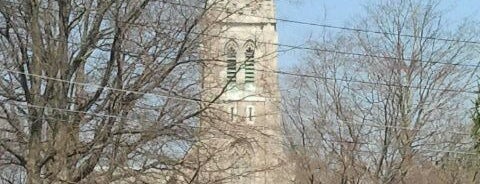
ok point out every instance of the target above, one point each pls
(398, 111)
(110, 91)
(99, 91)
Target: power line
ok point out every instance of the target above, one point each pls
(75, 111)
(323, 25)
(309, 139)
(301, 75)
(372, 144)
(302, 47)
(311, 76)
(274, 71)
(371, 83)
(301, 23)
(417, 149)
(320, 77)
(271, 71)
(120, 117)
(430, 131)
(332, 26)
(106, 87)
(197, 101)
(407, 128)
(78, 112)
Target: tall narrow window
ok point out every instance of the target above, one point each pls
(231, 62)
(250, 114)
(249, 64)
(232, 113)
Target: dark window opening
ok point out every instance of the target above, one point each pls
(232, 113)
(250, 114)
(231, 64)
(249, 65)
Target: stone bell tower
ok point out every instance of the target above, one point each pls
(244, 123)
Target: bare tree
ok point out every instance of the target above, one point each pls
(384, 105)
(101, 91)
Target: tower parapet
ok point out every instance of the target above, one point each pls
(249, 11)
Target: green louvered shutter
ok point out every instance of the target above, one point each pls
(249, 66)
(231, 65)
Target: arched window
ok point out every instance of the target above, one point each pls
(231, 53)
(249, 62)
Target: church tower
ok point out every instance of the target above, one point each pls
(244, 122)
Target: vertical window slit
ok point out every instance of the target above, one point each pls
(250, 114)
(232, 113)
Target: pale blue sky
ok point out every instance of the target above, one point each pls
(341, 13)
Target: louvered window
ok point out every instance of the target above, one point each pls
(231, 64)
(249, 65)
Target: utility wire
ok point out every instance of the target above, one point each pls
(106, 87)
(260, 70)
(336, 141)
(296, 75)
(190, 100)
(299, 22)
(79, 112)
(331, 26)
(370, 83)
(380, 152)
(330, 78)
(301, 47)
(263, 70)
